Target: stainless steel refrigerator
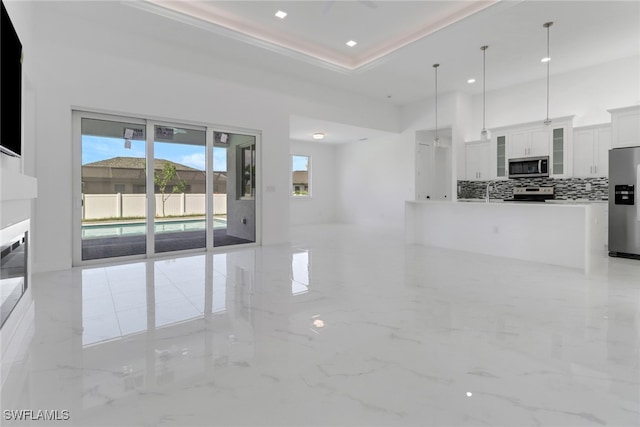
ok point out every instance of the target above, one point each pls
(624, 202)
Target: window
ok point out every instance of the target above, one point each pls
(119, 188)
(300, 173)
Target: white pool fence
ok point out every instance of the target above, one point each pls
(120, 205)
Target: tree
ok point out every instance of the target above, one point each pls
(169, 173)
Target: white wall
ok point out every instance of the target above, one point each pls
(377, 176)
(109, 67)
(321, 206)
(587, 93)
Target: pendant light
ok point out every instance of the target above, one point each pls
(436, 139)
(547, 59)
(484, 134)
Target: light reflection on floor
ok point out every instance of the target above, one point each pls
(342, 327)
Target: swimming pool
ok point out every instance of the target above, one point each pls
(93, 231)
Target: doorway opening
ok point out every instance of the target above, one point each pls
(433, 164)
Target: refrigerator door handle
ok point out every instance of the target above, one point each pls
(637, 201)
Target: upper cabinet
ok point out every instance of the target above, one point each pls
(581, 152)
(532, 140)
(477, 161)
(591, 146)
(528, 143)
(625, 125)
(558, 150)
(499, 163)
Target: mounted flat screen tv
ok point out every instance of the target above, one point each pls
(10, 88)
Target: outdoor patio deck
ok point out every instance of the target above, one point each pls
(109, 247)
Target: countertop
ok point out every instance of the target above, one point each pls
(554, 201)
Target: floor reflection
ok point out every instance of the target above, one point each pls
(122, 300)
(339, 328)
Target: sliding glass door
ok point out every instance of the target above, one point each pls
(113, 189)
(147, 187)
(180, 188)
(234, 167)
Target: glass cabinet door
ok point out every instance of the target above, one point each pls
(501, 156)
(558, 151)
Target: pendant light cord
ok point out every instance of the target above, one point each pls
(435, 66)
(548, 73)
(484, 88)
(547, 25)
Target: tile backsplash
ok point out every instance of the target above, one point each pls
(565, 189)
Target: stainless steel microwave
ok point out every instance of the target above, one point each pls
(529, 167)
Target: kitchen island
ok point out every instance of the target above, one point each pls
(552, 233)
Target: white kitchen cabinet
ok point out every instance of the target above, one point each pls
(625, 125)
(539, 144)
(529, 143)
(533, 139)
(498, 153)
(477, 161)
(591, 146)
(542, 141)
(559, 135)
(519, 143)
(498, 156)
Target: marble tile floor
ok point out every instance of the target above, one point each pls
(345, 326)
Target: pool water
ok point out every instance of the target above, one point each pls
(93, 231)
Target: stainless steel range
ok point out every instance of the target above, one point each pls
(532, 194)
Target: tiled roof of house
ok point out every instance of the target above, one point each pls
(300, 177)
(136, 163)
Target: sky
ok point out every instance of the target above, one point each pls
(95, 148)
(300, 163)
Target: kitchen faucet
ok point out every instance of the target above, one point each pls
(486, 197)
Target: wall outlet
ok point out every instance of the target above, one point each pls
(588, 186)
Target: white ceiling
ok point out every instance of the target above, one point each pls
(584, 33)
(398, 42)
(301, 129)
(317, 31)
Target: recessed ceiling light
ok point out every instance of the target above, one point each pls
(545, 59)
(351, 43)
(318, 135)
(471, 81)
(280, 14)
